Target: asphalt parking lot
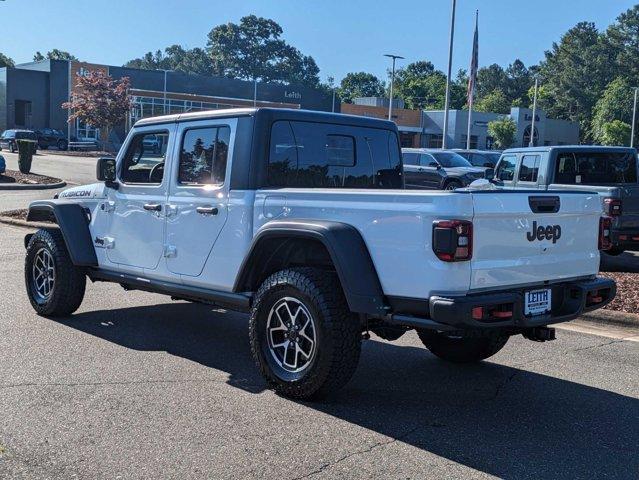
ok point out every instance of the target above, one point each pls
(137, 386)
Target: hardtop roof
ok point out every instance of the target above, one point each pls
(273, 114)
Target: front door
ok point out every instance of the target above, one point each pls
(198, 198)
(135, 234)
(432, 173)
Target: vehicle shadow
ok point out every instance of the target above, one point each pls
(503, 421)
(625, 262)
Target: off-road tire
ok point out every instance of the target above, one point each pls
(462, 349)
(70, 281)
(338, 341)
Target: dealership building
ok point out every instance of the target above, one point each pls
(32, 94)
(425, 128)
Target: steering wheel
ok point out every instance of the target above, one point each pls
(156, 173)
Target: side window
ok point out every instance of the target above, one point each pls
(506, 168)
(203, 156)
(282, 164)
(411, 158)
(340, 151)
(529, 168)
(144, 158)
(427, 161)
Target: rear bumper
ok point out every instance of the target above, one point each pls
(569, 300)
(625, 239)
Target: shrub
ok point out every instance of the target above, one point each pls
(26, 149)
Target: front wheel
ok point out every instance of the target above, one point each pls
(62, 145)
(462, 349)
(304, 339)
(54, 285)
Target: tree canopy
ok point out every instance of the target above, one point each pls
(5, 61)
(360, 84)
(175, 57)
(54, 54)
(254, 50)
(503, 131)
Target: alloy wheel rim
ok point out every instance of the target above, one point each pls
(43, 274)
(291, 335)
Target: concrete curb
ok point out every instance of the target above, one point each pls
(24, 224)
(16, 187)
(612, 317)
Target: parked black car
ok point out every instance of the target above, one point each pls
(438, 169)
(50, 137)
(9, 137)
(480, 158)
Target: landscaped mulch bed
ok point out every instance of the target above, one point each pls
(77, 153)
(627, 299)
(16, 214)
(14, 176)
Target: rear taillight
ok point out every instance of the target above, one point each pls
(453, 240)
(605, 240)
(612, 207)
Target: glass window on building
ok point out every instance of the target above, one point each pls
(490, 143)
(473, 141)
(434, 141)
(85, 132)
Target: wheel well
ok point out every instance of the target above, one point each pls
(277, 253)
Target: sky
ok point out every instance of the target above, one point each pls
(343, 36)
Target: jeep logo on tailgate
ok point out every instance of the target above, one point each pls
(549, 232)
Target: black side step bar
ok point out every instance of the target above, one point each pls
(233, 301)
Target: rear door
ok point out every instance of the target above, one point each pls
(199, 193)
(527, 237)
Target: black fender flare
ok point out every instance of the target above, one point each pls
(72, 220)
(347, 250)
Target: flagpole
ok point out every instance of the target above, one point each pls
(473, 70)
(534, 114)
(450, 67)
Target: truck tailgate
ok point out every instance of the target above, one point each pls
(525, 237)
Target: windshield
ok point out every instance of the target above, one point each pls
(595, 168)
(450, 159)
(26, 135)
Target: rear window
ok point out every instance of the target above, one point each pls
(595, 168)
(25, 135)
(317, 155)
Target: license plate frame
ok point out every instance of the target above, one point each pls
(537, 302)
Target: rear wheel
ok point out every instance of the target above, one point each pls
(62, 145)
(303, 337)
(462, 349)
(453, 185)
(54, 285)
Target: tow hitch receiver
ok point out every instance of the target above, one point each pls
(539, 334)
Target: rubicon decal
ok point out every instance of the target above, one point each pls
(549, 232)
(76, 194)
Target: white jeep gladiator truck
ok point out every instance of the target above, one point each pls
(301, 219)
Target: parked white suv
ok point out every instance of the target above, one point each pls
(301, 219)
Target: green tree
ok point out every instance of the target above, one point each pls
(615, 104)
(503, 131)
(622, 40)
(519, 82)
(5, 61)
(175, 57)
(54, 54)
(575, 73)
(360, 84)
(489, 79)
(254, 50)
(423, 87)
(496, 101)
(615, 133)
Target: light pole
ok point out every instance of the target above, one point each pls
(634, 115)
(450, 67)
(164, 91)
(390, 100)
(532, 127)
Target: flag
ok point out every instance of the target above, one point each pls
(474, 61)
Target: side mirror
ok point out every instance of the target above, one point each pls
(105, 170)
(435, 164)
(490, 174)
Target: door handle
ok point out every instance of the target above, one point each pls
(206, 210)
(153, 207)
